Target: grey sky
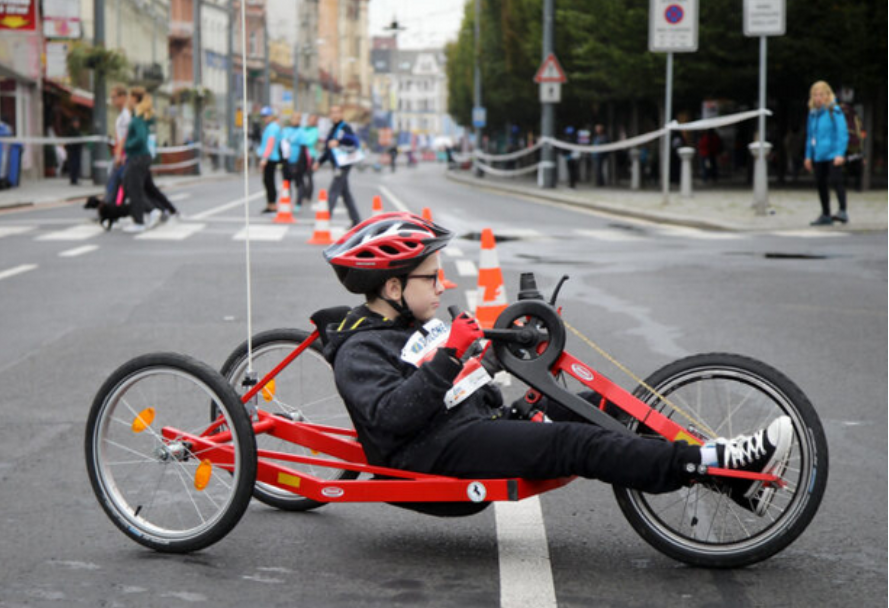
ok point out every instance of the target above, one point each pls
(428, 23)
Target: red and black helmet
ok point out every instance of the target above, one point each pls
(384, 246)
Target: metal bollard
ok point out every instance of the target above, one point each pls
(686, 154)
(760, 176)
(634, 169)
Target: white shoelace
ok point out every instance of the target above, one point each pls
(744, 450)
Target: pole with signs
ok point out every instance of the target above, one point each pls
(478, 112)
(548, 109)
(672, 28)
(762, 18)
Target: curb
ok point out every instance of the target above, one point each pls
(641, 214)
(96, 190)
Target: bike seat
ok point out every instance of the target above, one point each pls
(324, 317)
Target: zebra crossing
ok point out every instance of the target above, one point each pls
(264, 230)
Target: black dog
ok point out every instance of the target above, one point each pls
(108, 214)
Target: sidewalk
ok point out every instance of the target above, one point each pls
(56, 190)
(728, 209)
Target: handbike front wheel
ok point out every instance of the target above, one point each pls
(303, 391)
(166, 476)
(730, 395)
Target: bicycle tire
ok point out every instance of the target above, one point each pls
(311, 396)
(700, 525)
(147, 483)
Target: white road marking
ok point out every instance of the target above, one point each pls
(80, 232)
(172, 232)
(73, 253)
(471, 299)
(261, 233)
(179, 196)
(453, 252)
(9, 230)
(807, 234)
(394, 199)
(225, 206)
(5, 274)
(466, 268)
(694, 233)
(526, 576)
(608, 235)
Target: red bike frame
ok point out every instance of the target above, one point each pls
(345, 452)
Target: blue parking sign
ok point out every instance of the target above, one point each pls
(479, 117)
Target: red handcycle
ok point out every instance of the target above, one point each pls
(175, 454)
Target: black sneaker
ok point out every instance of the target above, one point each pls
(766, 451)
(841, 217)
(822, 220)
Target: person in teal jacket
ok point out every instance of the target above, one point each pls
(826, 140)
(290, 136)
(139, 161)
(270, 157)
(308, 142)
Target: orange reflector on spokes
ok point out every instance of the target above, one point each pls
(268, 391)
(202, 475)
(143, 420)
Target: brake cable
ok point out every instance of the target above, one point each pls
(699, 425)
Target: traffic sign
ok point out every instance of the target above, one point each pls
(479, 117)
(764, 17)
(550, 71)
(550, 92)
(673, 26)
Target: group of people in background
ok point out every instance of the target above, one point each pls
(295, 148)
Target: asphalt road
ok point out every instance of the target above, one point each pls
(75, 303)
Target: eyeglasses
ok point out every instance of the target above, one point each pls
(428, 277)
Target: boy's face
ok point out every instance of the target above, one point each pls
(423, 290)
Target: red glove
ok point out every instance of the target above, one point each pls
(464, 331)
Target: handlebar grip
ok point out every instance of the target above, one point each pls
(454, 311)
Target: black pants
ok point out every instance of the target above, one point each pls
(268, 179)
(340, 186)
(573, 171)
(826, 175)
(74, 152)
(158, 198)
(306, 186)
(134, 178)
(490, 449)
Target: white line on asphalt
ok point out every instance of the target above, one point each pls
(5, 274)
(80, 232)
(526, 575)
(72, 253)
(261, 233)
(471, 299)
(694, 233)
(225, 207)
(453, 252)
(806, 234)
(179, 196)
(388, 194)
(8, 230)
(172, 232)
(466, 268)
(607, 235)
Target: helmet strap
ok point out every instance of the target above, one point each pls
(404, 312)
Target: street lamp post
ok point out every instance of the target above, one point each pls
(548, 112)
(100, 113)
(196, 67)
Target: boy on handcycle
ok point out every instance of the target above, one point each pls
(395, 367)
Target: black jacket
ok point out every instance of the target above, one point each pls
(398, 409)
(344, 135)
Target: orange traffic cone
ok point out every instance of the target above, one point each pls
(285, 209)
(427, 215)
(377, 205)
(491, 298)
(321, 235)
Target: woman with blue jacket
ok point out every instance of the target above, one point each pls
(826, 140)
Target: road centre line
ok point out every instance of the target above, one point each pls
(395, 201)
(526, 575)
(11, 272)
(225, 206)
(71, 253)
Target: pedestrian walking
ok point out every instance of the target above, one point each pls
(308, 141)
(342, 148)
(709, 148)
(138, 162)
(572, 158)
(600, 158)
(290, 153)
(270, 157)
(73, 151)
(119, 100)
(826, 140)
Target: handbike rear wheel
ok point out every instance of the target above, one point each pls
(303, 391)
(151, 479)
(730, 395)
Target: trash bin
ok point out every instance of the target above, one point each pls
(14, 164)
